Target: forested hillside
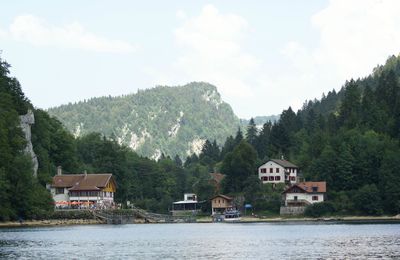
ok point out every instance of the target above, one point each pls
(349, 139)
(21, 195)
(169, 120)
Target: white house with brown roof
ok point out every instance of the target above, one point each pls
(304, 193)
(74, 189)
(278, 171)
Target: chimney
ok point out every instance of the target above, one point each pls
(85, 173)
(282, 157)
(59, 170)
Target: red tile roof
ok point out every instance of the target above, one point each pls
(310, 186)
(81, 181)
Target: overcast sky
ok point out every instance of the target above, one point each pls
(263, 56)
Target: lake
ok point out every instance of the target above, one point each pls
(204, 241)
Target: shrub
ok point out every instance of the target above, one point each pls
(319, 209)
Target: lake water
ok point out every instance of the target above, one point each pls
(204, 241)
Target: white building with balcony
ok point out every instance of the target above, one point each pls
(304, 193)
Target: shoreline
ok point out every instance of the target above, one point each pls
(347, 219)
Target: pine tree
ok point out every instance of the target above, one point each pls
(251, 134)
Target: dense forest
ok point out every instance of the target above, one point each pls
(348, 138)
(173, 120)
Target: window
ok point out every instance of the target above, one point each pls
(271, 178)
(314, 197)
(277, 178)
(271, 170)
(277, 170)
(314, 189)
(263, 170)
(59, 190)
(295, 197)
(292, 178)
(264, 178)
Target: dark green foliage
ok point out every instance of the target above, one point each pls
(21, 196)
(53, 145)
(390, 182)
(251, 133)
(367, 200)
(319, 209)
(238, 166)
(167, 119)
(349, 138)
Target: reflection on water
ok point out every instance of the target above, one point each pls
(204, 241)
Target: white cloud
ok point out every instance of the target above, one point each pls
(357, 35)
(354, 36)
(211, 51)
(180, 14)
(36, 31)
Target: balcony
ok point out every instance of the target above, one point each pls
(297, 203)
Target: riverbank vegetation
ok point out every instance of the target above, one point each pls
(350, 139)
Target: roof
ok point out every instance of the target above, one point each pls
(284, 163)
(222, 196)
(217, 177)
(185, 202)
(81, 181)
(308, 186)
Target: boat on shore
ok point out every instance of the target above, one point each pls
(227, 216)
(232, 216)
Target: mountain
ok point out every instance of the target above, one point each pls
(259, 120)
(169, 120)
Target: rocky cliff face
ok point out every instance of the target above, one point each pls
(26, 121)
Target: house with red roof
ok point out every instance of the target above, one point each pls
(304, 193)
(90, 189)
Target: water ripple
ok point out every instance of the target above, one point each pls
(204, 241)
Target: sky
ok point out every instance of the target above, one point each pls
(263, 56)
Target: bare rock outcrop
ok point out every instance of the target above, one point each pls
(26, 121)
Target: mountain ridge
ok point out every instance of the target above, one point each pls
(164, 119)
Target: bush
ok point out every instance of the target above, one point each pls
(319, 209)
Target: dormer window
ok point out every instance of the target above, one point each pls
(314, 189)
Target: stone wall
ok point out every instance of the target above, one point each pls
(292, 210)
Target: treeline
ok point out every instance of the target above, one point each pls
(21, 195)
(349, 139)
(147, 183)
